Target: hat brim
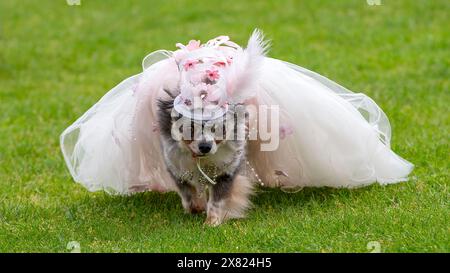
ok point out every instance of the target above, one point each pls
(208, 112)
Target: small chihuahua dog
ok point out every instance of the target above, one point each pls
(206, 159)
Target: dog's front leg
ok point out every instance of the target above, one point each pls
(229, 198)
(217, 204)
(190, 198)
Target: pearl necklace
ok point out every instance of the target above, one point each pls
(209, 174)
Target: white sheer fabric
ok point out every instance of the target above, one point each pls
(115, 145)
(339, 139)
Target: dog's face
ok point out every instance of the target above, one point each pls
(202, 137)
(199, 137)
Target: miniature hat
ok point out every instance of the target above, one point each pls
(216, 74)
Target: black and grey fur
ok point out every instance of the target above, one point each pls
(221, 160)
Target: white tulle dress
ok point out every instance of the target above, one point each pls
(335, 137)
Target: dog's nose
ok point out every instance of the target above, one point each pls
(205, 147)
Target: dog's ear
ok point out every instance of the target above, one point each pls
(165, 105)
(172, 93)
(166, 110)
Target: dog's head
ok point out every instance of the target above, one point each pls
(202, 137)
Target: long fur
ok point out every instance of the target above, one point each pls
(239, 200)
(244, 72)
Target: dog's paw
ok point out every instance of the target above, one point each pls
(195, 206)
(213, 221)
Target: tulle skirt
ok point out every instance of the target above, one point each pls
(115, 145)
(338, 139)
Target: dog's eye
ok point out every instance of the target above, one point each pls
(213, 129)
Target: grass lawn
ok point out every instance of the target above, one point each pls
(57, 60)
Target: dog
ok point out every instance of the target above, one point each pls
(207, 160)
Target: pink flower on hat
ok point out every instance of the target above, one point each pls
(212, 74)
(189, 64)
(193, 45)
(220, 63)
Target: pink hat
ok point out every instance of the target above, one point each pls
(216, 74)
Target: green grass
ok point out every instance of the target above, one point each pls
(57, 60)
